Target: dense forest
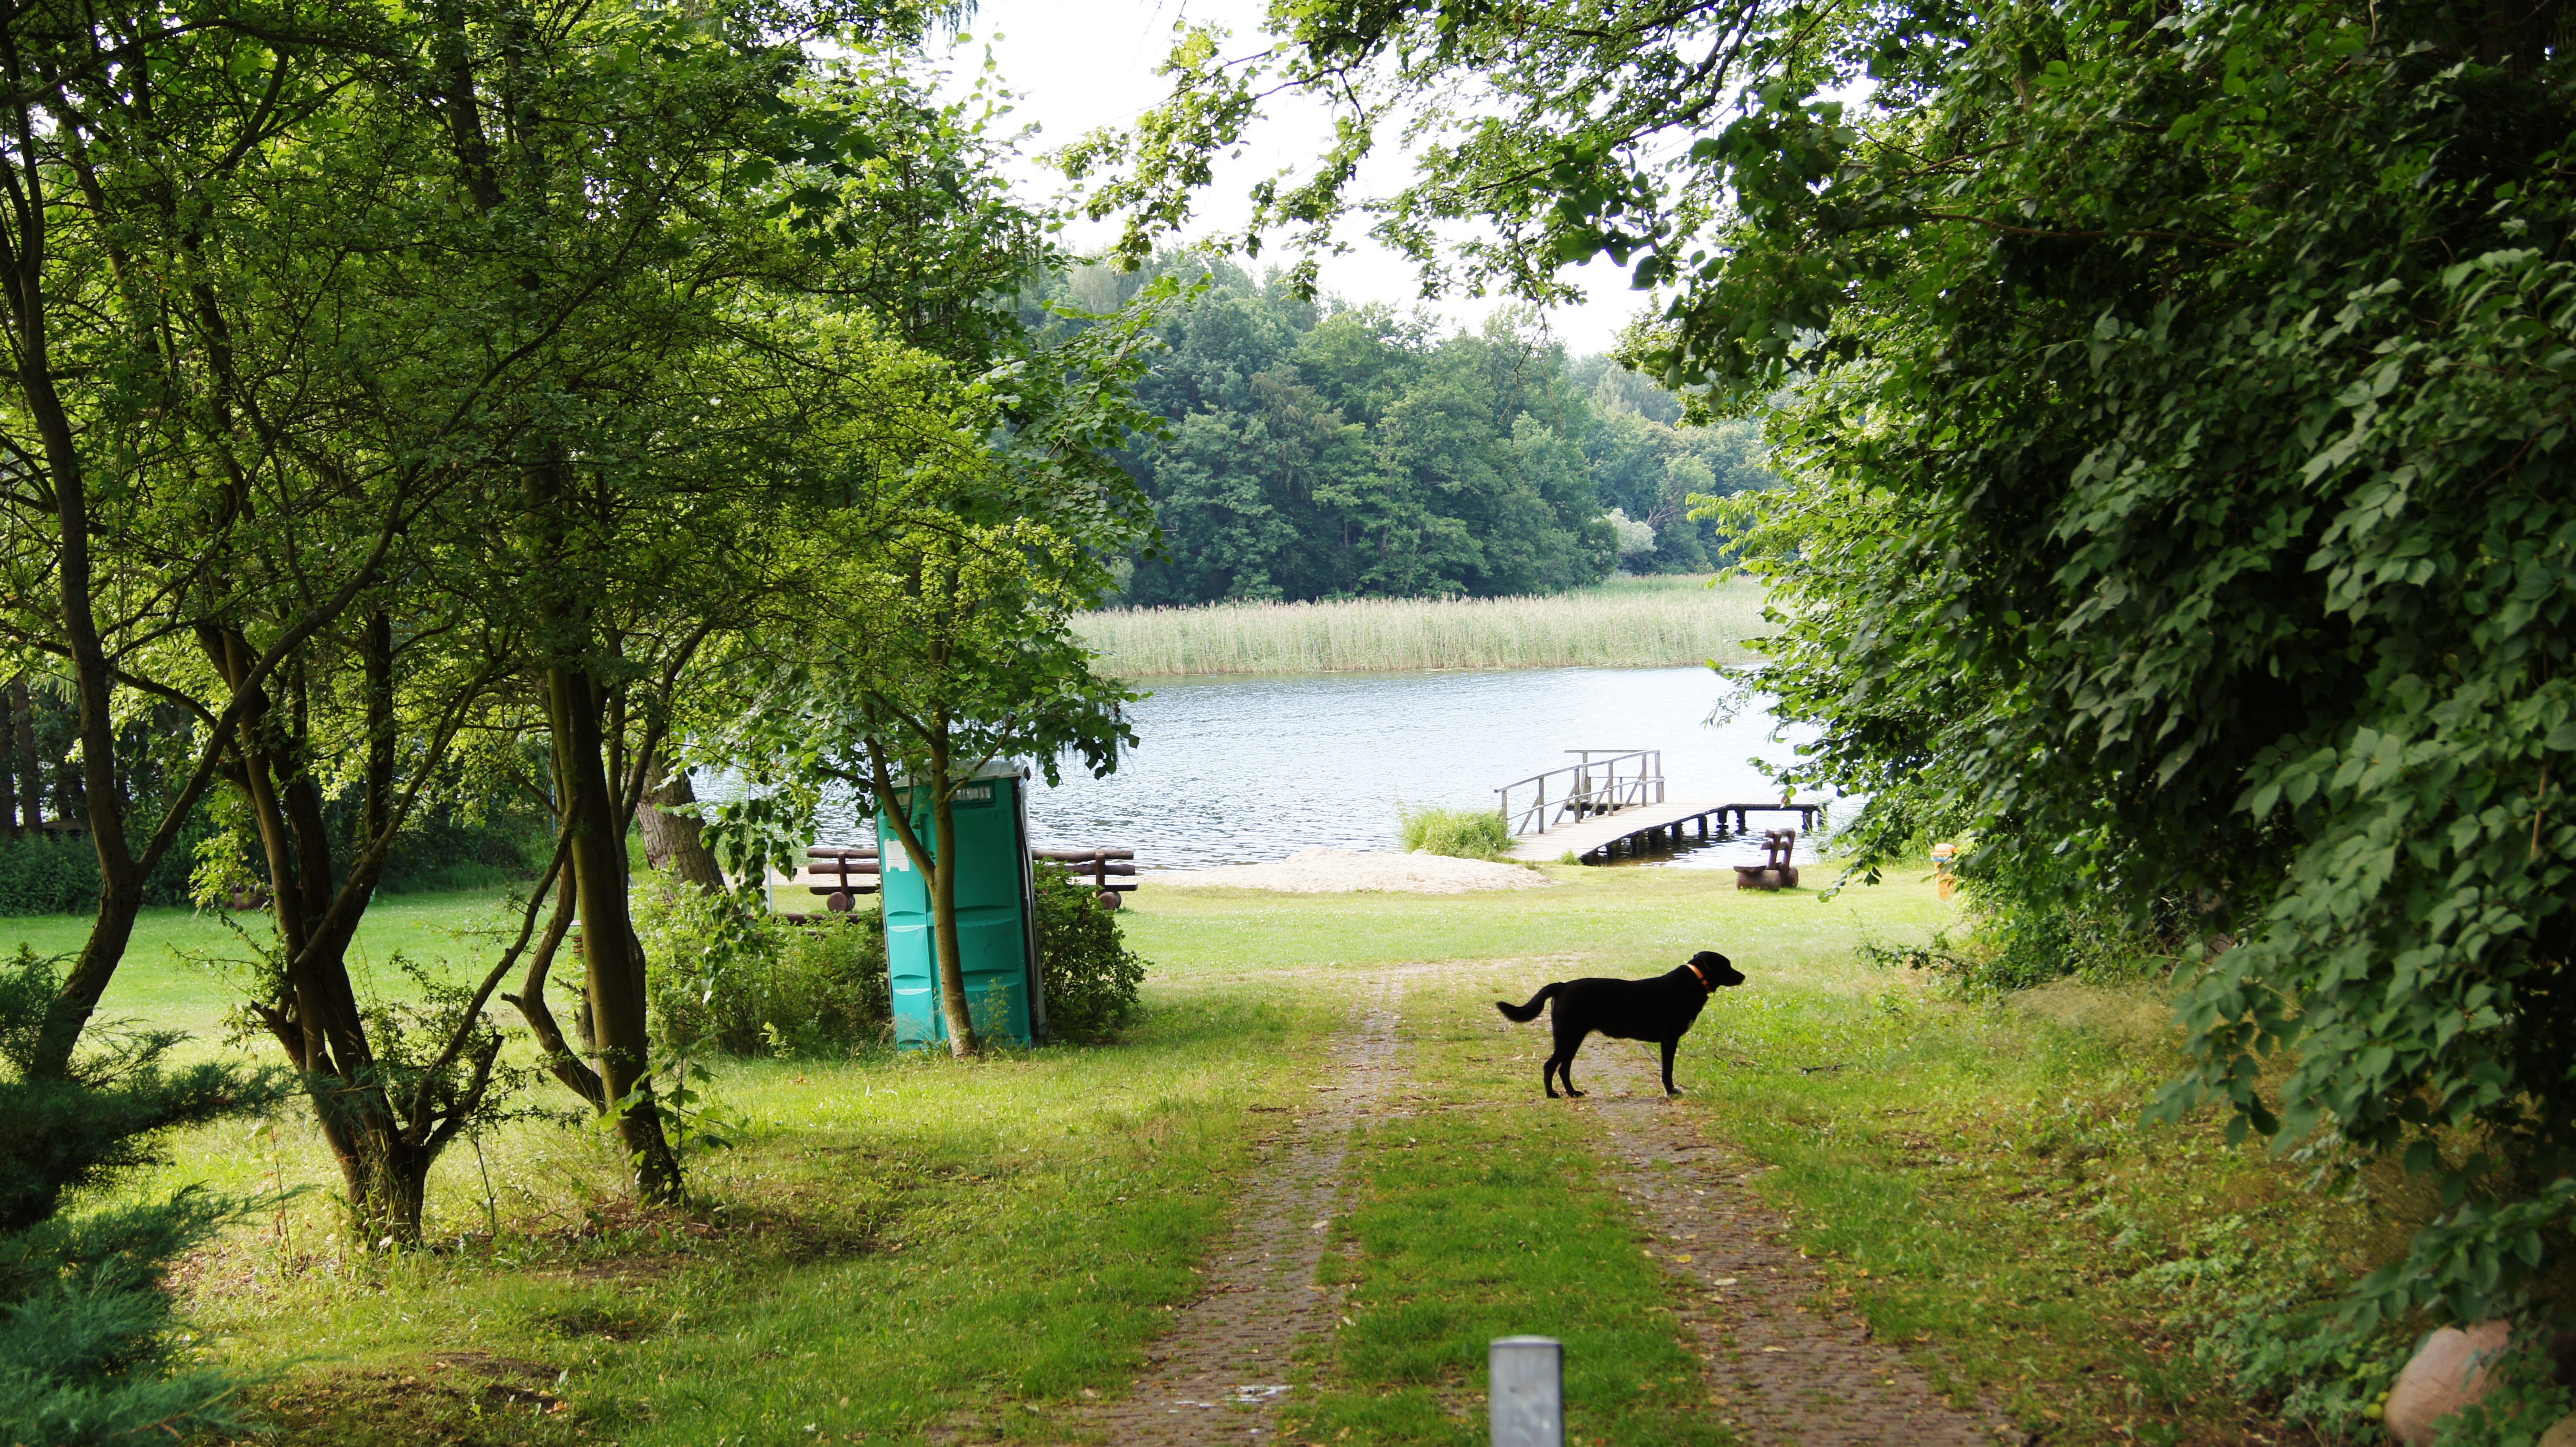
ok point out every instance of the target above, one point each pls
(1323, 450)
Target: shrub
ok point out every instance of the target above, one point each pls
(1458, 833)
(451, 846)
(2257, 1301)
(2034, 918)
(1091, 976)
(86, 1349)
(45, 874)
(50, 873)
(722, 974)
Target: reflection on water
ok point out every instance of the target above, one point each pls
(1237, 770)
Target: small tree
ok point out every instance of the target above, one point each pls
(971, 662)
(947, 645)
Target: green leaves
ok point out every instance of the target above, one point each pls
(2177, 410)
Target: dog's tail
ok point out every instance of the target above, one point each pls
(1523, 1014)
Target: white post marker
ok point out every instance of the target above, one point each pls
(1526, 1386)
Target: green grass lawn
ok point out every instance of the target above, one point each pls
(182, 970)
(899, 1241)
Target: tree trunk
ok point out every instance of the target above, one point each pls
(120, 895)
(71, 801)
(611, 957)
(531, 1000)
(943, 911)
(386, 1176)
(931, 857)
(675, 844)
(8, 762)
(315, 1014)
(22, 743)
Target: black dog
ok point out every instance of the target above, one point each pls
(1660, 1009)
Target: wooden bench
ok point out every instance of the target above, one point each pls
(1775, 871)
(840, 873)
(1111, 872)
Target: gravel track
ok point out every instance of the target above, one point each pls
(1221, 1374)
(1785, 1366)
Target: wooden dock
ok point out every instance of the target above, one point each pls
(1612, 800)
(1599, 838)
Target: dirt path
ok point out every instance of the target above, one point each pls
(1222, 1372)
(1786, 1368)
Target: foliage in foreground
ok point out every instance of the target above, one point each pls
(2197, 551)
(87, 1351)
(485, 550)
(1458, 833)
(2179, 448)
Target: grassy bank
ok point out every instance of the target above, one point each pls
(899, 1242)
(1627, 623)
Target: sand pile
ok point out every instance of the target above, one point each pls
(1345, 871)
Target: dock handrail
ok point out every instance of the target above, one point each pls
(1606, 780)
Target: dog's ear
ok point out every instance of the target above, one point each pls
(1712, 960)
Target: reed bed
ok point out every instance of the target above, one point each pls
(1628, 623)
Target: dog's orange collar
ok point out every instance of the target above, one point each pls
(1703, 978)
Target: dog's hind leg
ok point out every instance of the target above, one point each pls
(1567, 1042)
(1547, 1076)
(1668, 1067)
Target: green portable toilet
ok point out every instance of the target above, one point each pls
(996, 913)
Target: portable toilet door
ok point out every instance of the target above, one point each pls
(996, 913)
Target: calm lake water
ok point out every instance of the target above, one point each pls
(1242, 770)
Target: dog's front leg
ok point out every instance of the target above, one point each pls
(1669, 1047)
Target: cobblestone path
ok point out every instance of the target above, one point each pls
(1221, 1374)
(1787, 1369)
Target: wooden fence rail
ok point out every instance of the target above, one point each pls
(1604, 781)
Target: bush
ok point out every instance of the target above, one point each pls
(1091, 976)
(2257, 1299)
(87, 1354)
(2033, 918)
(722, 974)
(447, 847)
(47, 874)
(51, 873)
(1458, 833)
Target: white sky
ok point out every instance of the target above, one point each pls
(1079, 64)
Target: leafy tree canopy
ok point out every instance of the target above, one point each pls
(1322, 451)
(2179, 455)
